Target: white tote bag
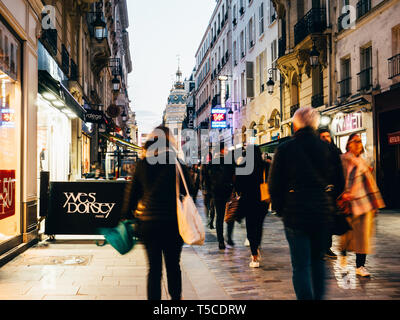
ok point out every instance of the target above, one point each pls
(190, 224)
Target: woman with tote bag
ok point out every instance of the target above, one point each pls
(153, 199)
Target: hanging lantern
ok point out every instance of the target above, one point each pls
(99, 27)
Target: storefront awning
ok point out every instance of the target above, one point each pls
(121, 142)
(346, 106)
(57, 95)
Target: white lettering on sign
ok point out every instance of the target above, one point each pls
(7, 193)
(86, 203)
(394, 138)
(343, 123)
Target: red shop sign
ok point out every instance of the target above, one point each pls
(7, 193)
(394, 138)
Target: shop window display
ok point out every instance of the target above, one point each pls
(10, 106)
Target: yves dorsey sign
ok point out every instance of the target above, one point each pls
(82, 207)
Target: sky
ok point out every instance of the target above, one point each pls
(159, 32)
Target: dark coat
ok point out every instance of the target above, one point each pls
(301, 169)
(152, 193)
(248, 186)
(218, 179)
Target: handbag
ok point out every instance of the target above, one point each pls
(233, 210)
(340, 222)
(190, 224)
(264, 190)
(122, 237)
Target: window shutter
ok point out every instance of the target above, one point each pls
(249, 79)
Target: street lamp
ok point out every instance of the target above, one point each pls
(115, 84)
(99, 27)
(123, 116)
(270, 82)
(314, 56)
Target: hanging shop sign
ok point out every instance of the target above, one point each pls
(82, 207)
(394, 138)
(348, 122)
(94, 116)
(7, 193)
(218, 118)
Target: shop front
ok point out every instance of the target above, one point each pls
(353, 118)
(58, 122)
(10, 135)
(387, 113)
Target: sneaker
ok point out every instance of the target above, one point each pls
(361, 271)
(343, 261)
(247, 243)
(221, 246)
(330, 254)
(254, 263)
(230, 242)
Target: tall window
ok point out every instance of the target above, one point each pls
(242, 48)
(365, 75)
(274, 57)
(261, 19)
(251, 35)
(234, 53)
(345, 82)
(272, 12)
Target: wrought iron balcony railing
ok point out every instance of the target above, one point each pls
(317, 100)
(293, 109)
(313, 22)
(394, 66)
(365, 79)
(345, 88)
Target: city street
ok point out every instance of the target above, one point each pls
(76, 269)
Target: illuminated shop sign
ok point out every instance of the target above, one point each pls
(218, 118)
(7, 193)
(7, 118)
(394, 138)
(345, 123)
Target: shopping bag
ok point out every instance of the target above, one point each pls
(264, 190)
(233, 210)
(122, 237)
(190, 224)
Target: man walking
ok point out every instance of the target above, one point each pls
(303, 180)
(325, 135)
(220, 173)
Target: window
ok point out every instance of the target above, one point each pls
(345, 82)
(234, 53)
(274, 57)
(365, 75)
(251, 37)
(272, 12)
(261, 19)
(317, 98)
(242, 48)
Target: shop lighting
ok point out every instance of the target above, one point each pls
(58, 103)
(314, 56)
(325, 121)
(49, 96)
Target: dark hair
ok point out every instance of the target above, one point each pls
(165, 139)
(323, 130)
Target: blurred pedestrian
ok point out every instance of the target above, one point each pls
(364, 198)
(325, 135)
(195, 173)
(220, 173)
(303, 174)
(206, 190)
(152, 197)
(248, 186)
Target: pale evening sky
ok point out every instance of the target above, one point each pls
(159, 31)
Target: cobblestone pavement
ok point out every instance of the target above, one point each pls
(77, 269)
(272, 281)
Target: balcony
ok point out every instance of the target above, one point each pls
(364, 79)
(313, 22)
(394, 66)
(293, 109)
(317, 100)
(363, 7)
(345, 88)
